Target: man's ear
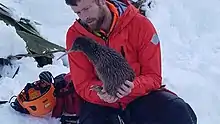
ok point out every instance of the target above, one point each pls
(100, 2)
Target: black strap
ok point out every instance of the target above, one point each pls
(3, 102)
(34, 55)
(69, 119)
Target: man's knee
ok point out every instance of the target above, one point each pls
(95, 114)
(162, 107)
(178, 111)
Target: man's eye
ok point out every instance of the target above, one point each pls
(86, 8)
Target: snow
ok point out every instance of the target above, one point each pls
(189, 34)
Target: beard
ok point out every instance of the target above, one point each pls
(97, 22)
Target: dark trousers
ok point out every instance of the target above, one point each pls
(159, 107)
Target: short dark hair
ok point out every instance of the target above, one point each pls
(72, 2)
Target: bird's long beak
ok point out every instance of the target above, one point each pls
(64, 54)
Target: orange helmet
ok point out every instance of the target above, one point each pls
(37, 98)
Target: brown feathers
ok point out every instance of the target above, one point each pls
(111, 67)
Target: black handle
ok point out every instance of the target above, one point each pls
(3, 102)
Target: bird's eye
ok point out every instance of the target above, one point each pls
(78, 45)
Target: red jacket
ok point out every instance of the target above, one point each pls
(135, 37)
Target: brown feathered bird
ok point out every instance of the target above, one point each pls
(111, 67)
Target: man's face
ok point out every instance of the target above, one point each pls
(91, 12)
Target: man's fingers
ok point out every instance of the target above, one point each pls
(112, 99)
(115, 99)
(119, 95)
(107, 98)
(102, 95)
(122, 92)
(130, 84)
(125, 88)
(105, 95)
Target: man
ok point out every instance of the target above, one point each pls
(119, 25)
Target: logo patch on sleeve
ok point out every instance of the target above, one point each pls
(155, 39)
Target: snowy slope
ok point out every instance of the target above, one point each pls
(188, 32)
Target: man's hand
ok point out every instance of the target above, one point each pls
(106, 97)
(122, 92)
(125, 89)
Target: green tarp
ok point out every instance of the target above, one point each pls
(35, 43)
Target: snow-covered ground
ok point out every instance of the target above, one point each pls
(189, 33)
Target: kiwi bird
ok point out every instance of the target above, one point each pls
(111, 67)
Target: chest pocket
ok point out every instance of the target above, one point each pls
(126, 48)
(122, 51)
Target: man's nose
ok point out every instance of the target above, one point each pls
(84, 16)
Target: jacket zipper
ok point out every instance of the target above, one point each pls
(104, 38)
